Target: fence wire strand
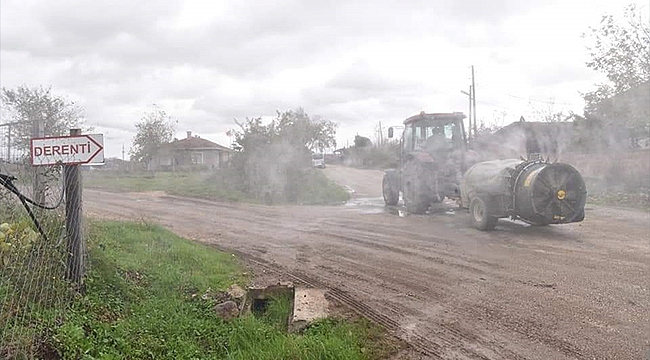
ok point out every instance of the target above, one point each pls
(34, 290)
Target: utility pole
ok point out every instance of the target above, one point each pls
(470, 114)
(469, 118)
(122, 151)
(474, 99)
(381, 135)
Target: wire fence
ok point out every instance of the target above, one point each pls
(35, 280)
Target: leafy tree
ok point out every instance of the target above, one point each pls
(294, 128)
(154, 129)
(271, 158)
(620, 48)
(25, 106)
(361, 141)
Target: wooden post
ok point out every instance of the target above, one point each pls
(76, 246)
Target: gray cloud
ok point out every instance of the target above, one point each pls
(264, 35)
(117, 57)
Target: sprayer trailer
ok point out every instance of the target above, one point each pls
(537, 192)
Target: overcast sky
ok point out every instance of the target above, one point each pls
(353, 62)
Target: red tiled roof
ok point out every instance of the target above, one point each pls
(194, 143)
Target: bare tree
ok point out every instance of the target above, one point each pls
(548, 112)
(29, 106)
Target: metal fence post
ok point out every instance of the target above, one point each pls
(39, 178)
(73, 222)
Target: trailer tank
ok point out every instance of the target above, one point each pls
(536, 192)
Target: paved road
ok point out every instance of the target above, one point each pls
(578, 291)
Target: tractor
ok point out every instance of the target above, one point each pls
(433, 158)
(435, 163)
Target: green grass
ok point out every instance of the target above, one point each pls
(193, 184)
(313, 187)
(143, 301)
(278, 312)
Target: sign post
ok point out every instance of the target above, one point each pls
(71, 151)
(75, 268)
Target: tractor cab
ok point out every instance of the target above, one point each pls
(432, 161)
(434, 133)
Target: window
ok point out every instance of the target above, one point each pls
(165, 161)
(436, 136)
(196, 158)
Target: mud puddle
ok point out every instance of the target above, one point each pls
(366, 205)
(376, 205)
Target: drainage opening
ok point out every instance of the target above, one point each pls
(260, 306)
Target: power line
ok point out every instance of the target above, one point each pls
(550, 102)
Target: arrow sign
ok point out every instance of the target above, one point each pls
(68, 150)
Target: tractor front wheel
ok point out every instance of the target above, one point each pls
(390, 191)
(415, 200)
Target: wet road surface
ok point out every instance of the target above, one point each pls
(576, 291)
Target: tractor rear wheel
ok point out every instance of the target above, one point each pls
(480, 215)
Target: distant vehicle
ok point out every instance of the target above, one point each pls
(318, 161)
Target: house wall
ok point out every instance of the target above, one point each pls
(632, 166)
(179, 159)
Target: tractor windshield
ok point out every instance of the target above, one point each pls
(436, 135)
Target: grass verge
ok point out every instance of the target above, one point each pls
(314, 187)
(192, 184)
(626, 199)
(145, 299)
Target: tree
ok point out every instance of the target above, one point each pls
(154, 129)
(271, 158)
(548, 112)
(294, 128)
(33, 108)
(361, 141)
(620, 48)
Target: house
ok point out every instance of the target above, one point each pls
(192, 152)
(523, 138)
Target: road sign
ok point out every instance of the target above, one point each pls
(68, 150)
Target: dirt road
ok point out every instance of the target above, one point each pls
(578, 291)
